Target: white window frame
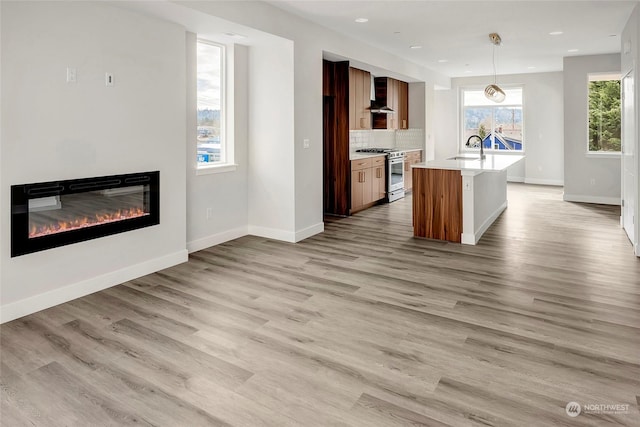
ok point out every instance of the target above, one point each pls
(226, 163)
(612, 75)
(463, 147)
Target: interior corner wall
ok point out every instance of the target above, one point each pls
(224, 194)
(543, 124)
(53, 130)
(587, 179)
(271, 153)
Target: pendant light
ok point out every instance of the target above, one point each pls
(493, 92)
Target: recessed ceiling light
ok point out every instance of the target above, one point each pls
(468, 71)
(361, 20)
(573, 50)
(613, 35)
(416, 47)
(396, 32)
(531, 67)
(555, 33)
(443, 60)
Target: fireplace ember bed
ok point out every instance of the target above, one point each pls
(47, 215)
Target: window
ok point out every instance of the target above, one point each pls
(211, 148)
(500, 126)
(604, 113)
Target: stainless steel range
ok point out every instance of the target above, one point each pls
(395, 171)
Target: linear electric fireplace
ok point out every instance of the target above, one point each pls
(51, 214)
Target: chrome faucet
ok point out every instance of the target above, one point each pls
(482, 156)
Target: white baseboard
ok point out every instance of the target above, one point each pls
(540, 181)
(591, 199)
(272, 233)
(43, 301)
(515, 179)
(474, 238)
(216, 239)
(309, 231)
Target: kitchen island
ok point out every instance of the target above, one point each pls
(458, 199)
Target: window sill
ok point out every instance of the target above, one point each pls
(603, 155)
(220, 168)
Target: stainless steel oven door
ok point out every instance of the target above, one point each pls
(395, 177)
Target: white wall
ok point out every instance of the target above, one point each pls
(543, 124)
(53, 130)
(586, 178)
(271, 177)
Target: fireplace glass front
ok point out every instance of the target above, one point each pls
(51, 214)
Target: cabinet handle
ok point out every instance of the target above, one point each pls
(406, 166)
(360, 176)
(404, 124)
(362, 125)
(378, 172)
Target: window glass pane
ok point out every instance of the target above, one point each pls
(604, 116)
(499, 125)
(477, 121)
(209, 99)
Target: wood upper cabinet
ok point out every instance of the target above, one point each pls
(359, 99)
(411, 158)
(394, 94)
(368, 182)
(403, 105)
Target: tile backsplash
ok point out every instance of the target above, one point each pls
(408, 138)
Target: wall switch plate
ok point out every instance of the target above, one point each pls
(71, 75)
(209, 213)
(109, 79)
(306, 143)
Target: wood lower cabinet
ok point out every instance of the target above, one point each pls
(437, 204)
(379, 178)
(368, 182)
(411, 158)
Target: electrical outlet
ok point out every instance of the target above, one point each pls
(209, 213)
(306, 143)
(593, 181)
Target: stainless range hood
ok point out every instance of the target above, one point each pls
(381, 110)
(375, 106)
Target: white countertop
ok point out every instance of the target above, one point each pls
(472, 162)
(360, 156)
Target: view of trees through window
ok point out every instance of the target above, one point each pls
(604, 114)
(209, 95)
(499, 125)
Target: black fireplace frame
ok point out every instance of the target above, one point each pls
(21, 244)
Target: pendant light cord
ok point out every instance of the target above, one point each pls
(495, 72)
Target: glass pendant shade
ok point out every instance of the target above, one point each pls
(494, 93)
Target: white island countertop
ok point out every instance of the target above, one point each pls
(472, 163)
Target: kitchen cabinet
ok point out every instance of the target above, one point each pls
(359, 99)
(368, 182)
(394, 94)
(379, 178)
(410, 158)
(335, 136)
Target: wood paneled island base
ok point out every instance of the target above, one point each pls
(437, 204)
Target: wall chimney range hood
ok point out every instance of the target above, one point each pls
(381, 110)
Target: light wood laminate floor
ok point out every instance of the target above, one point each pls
(362, 325)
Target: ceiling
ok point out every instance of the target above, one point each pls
(454, 35)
